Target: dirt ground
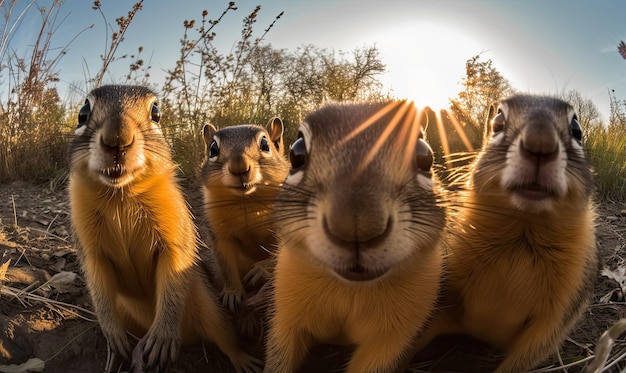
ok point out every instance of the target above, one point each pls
(46, 313)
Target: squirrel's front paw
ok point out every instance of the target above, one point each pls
(155, 351)
(249, 325)
(231, 299)
(258, 275)
(118, 342)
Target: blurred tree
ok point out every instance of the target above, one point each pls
(303, 87)
(313, 76)
(483, 84)
(451, 131)
(588, 114)
(350, 80)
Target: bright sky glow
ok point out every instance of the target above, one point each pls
(425, 62)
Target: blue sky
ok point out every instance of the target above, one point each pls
(541, 46)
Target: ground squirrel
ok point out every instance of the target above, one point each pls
(359, 224)
(243, 170)
(137, 238)
(522, 257)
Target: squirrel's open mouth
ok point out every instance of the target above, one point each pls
(114, 172)
(116, 175)
(245, 188)
(358, 273)
(533, 191)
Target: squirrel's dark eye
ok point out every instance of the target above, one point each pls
(264, 145)
(424, 155)
(498, 122)
(297, 154)
(83, 113)
(214, 149)
(155, 113)
(576, 130)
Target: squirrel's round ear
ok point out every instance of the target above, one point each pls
(496, 120)
(275, 128)
(493, 110)
(207, 132)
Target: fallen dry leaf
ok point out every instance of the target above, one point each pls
(32, 365)
(62, 281)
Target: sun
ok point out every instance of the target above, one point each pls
(427, 90)
(426, 62)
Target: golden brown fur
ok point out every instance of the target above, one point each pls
(244, 168)
(137, 238)
(359, 226)
(522, 257)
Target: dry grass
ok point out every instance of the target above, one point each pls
(607, 153)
